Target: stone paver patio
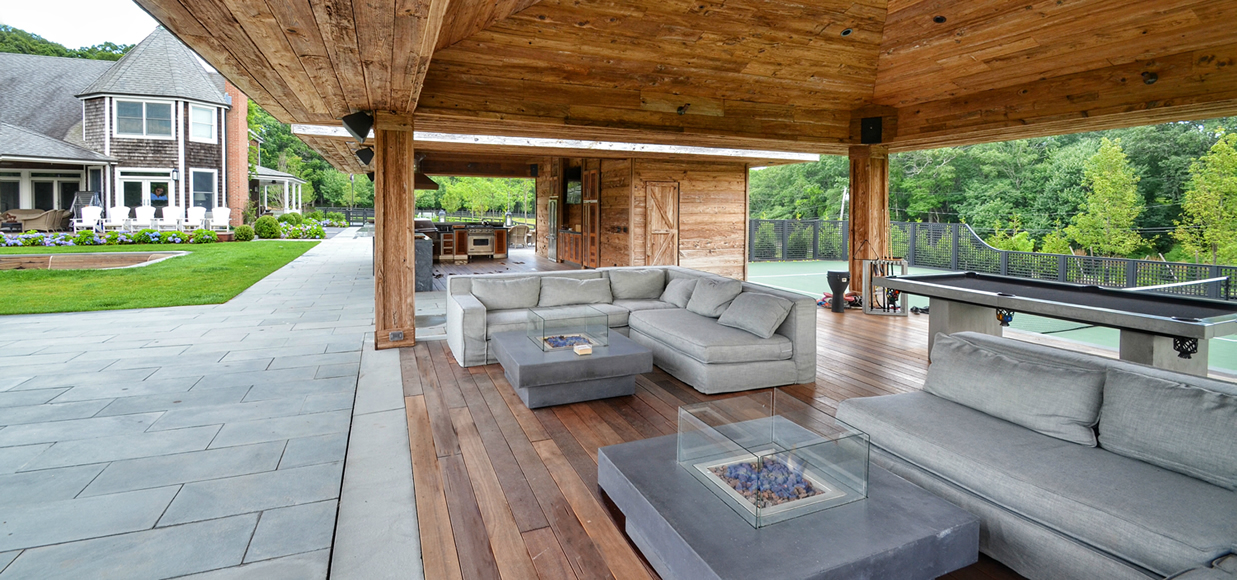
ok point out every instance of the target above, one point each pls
(192, 440)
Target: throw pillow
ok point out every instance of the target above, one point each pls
(1172, 425)
(1055, 401)
(637, 284)
(557, 291)
(507, 293)
(759, 314)
(679, 291)
(712, 295)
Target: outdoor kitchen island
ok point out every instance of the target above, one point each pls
(460, 242)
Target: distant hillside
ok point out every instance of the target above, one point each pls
(22, 42)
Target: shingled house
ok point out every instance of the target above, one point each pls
(153, 128)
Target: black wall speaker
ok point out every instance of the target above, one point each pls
(870, 130)
(532, 169)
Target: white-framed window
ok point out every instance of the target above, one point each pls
(149, 119)
(203, 126)
(203, 182)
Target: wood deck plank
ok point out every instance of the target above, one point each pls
(438, 554)
(471, 542)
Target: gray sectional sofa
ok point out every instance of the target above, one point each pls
(716, 334)
(1077, 466)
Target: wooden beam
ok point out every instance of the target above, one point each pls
(869, 208)
(475, 168)
(394, 250)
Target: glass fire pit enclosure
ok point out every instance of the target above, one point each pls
(565, 327)
(772, 457)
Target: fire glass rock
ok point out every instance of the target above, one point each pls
(771, 483)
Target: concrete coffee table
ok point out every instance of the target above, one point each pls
(900, 532)
(558, 377)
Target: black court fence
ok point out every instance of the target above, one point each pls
(357, 216)
(957, 247)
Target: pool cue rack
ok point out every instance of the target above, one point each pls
(876, 298)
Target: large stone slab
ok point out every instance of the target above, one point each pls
(40, 524)
(244, 432)
(53, 431)
(298, 567)
(900, 532)
(177, 468)
(103, 449)
(45, 485)
(205, 500)
(293, 530)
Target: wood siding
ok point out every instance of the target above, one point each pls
(94, 123)
(712, 212)
(616, 197)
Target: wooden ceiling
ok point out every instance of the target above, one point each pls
(762, 74)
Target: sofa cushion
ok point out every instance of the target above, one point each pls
(1056, 401)
(636, 305)
(679, 292)
(757, 313)
(616, 316)
(712, 295)
(1188, 430)
(639, 284)
(507, 293)
(703, 339)
(497, 321)
(1159, 519)
(567, 291)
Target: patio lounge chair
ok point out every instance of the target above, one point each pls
(519, 235)
(145, 217)
(173, 218)
(90, 218)
(117, 218)
(220, 218)
(48, 221)
(196, 219)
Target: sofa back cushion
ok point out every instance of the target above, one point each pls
(757, 313)
(712, 295)
(640, 284)
(679, 291)
(1172, 425)
(557, 291)
(1055, 401)
(507, 293)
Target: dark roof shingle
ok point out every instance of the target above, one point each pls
(38, 91)
(22, 142)
(159, 66)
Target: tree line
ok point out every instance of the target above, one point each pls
(22, 42)
(1166, 189)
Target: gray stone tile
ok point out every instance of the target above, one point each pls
(205, 500)
(45, 379)
(10, 381)
(103, 449)
(310, 566)
(379, 388)
(287, 362)
(135, 353)
(45, 485)
(165, 402)
(148, 362)
(232, 345)
(164, 470)
(40, 524)
(293, 530)
(7, 557)
(176, 369)
(34, 360)
(344, 346)
(53, 431)
(281, 351)
(109, 345)
(262, 392)
(337, 370)
(314, 450)
(233, 413)
(248, 379)
(56, 412)
(24, 398)
(328, 402)
(134, 389)
(245, 432)
(14, 458)
(145, 555)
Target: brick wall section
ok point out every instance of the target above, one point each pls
(237, 181)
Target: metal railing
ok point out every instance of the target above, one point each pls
(356, 216)
(957, 247)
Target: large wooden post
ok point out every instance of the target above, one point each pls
(869, 208)
(394, 209)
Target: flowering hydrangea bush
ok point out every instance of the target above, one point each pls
(115, 238)
(308, 230)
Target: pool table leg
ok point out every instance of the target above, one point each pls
(947, 316)
(1157, 351)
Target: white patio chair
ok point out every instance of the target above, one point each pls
(220, 218)
(173, 218)
(117, 218)
(90, 218)
(196, 219)
(145, 217)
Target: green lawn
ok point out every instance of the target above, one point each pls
(209, 274)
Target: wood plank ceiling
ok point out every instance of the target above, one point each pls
(766, 74)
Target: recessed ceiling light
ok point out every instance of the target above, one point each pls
(847, 32)
(1149, 78)
(938, 19)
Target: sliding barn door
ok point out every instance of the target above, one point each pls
(662, 233)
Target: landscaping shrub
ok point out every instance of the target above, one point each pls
(88, 238)
(315, 215)
(243, 233)
(147, 236)
(291, 218)
(201, 236)
(306, 231)
(266, 228)
(173, 238)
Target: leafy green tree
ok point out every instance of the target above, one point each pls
(1106, 225)
(1209, 221)
(1056, 242)
(22, 42)
(1011, 237)
(450, 200)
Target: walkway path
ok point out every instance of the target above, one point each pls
(167, 442)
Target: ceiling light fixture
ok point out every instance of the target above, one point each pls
(938, 19)
(847, 32)
(1149, 78)
(358, 125)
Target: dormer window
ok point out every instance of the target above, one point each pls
(202, 124)
(143, 119)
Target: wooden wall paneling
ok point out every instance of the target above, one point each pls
(394, 209)
(616, 197)
(869, 208)
(712, 212)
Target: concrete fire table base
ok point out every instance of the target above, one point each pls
(558, 377)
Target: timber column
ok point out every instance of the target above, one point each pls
(394, 210)
(869, 208)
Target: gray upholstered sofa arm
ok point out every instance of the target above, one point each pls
(466, 329)
(800, 328)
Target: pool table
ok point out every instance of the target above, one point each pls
(1157, 329)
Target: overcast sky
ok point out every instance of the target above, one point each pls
(78, 23)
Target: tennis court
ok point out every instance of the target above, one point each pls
(810, 278)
